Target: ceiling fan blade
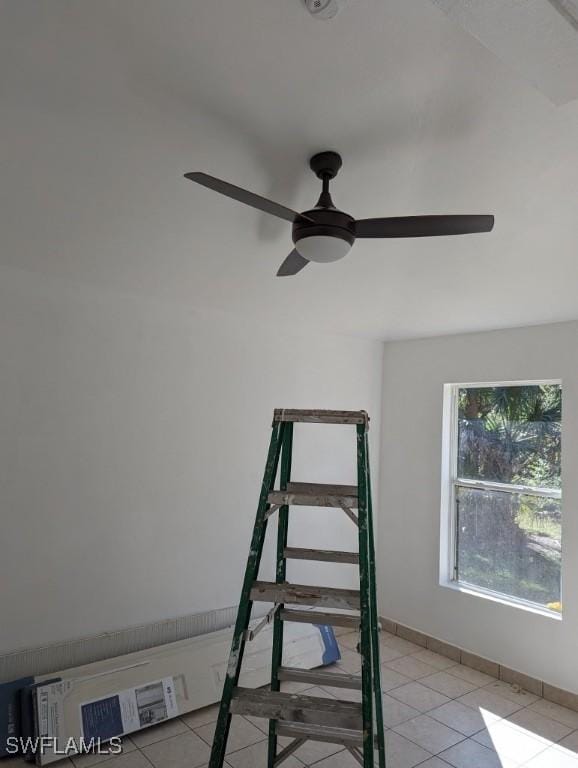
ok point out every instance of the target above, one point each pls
(293, 263)
(422, 226)
(244, 196)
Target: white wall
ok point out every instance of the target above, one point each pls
(408, 542)
(133, 437)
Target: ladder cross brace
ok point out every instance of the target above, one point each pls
(251, 634)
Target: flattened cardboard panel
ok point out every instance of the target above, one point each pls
(194, 670)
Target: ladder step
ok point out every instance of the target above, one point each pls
(316, 495)
(290, 707)
(320, 618)
(304, 594)
(321, 417)
(327, 734)
(321, 555)
(320, 677)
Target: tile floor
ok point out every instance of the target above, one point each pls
(437, 714)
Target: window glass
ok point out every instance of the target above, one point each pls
(510, 434)
(506, 495)
(510, 543)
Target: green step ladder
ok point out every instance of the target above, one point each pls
(356, 726)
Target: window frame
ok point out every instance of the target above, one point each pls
(449, 540)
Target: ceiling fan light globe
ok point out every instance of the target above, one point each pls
(322, 248)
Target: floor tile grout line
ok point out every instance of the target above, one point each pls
(547, 746)
(552, 716)
(234, 751)
(558, 722)
(150, 762)
(432, 754)
(423, 762)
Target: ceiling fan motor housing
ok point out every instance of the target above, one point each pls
(327, 223)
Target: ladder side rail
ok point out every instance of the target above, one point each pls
(245, 604)
(374, 620)
(281, 574)
(365, 603)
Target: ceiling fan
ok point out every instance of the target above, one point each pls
(325, 233)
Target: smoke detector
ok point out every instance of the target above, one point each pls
(322, 9)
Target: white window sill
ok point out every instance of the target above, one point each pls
(496, 597)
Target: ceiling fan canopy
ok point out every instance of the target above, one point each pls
(324, 233)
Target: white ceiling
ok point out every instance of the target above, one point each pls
(105, 104)
(537, 39)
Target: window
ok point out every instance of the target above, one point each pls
(502, 489)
